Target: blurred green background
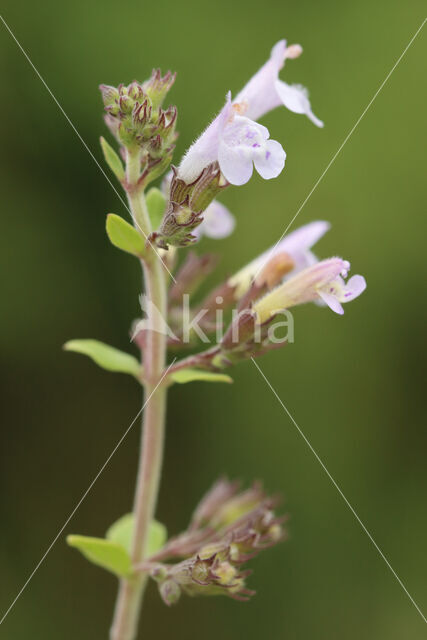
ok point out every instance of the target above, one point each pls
(354, 384)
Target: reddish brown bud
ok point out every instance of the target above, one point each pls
(273, 271)
(191, 275)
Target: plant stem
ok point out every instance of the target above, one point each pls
(131, 590)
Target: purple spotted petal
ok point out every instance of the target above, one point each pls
(332, 302)
(354, 287)
(271, 161)
(235, 164)
(243, 143)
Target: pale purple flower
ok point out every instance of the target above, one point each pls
(297, 245)
(237, 144)
(218, 222)
(324, 281)
(265, 91)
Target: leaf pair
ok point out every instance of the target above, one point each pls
(113, 359)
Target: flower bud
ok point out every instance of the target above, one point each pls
(126, 104)
(109, 94)
(170, 592)
(240, 330)
(225, 573)
(191, 275)
(157, 86)
(237, 507)
(220, 493)
(135, 91)
(273, 271)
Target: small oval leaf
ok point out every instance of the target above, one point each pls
(189, 375)
(124, 236)
(121, 531)
(105, 356)
(156, 205)
(113, 160)
(104, 553)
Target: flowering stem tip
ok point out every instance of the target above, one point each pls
(237, 317)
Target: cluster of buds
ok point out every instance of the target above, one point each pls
(228, 528)
(135, 116)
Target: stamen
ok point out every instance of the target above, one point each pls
(241, 107)
(293, 51)
(345, 270)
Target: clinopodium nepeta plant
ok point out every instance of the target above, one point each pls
(237, 319)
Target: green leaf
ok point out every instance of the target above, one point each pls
(156, 204)
(157, 537)
(113, 160)
(124, 236)
(121, 533)
(113, 552)
(105, 356)
(189, 375)
(104, 553)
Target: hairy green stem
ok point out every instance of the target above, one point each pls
(131, 590)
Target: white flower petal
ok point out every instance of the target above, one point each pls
(354, 287)
(259, 95)
(295, 98)
(332, 302)
(304, 237)
(235, 163)
(218, 222)
(205, 149)
(270, 161)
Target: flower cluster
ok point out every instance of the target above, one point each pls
(229, 149)
(235, 140)
(228, 528)
(287, 275)
(135, 116)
